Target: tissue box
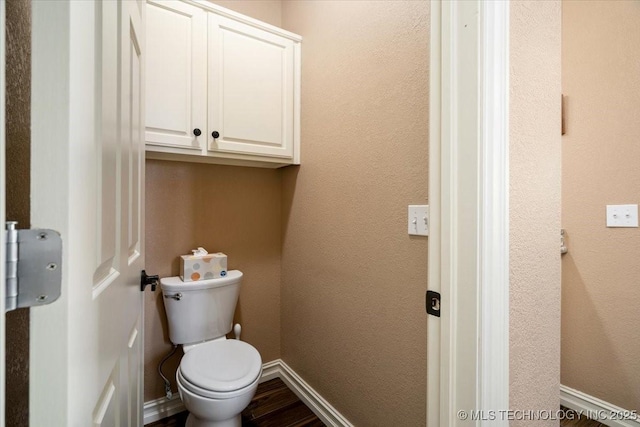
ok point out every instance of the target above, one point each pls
(203, 267)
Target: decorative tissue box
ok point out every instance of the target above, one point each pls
(202, 267)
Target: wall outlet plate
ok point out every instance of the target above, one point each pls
(418, 220)
(622, 215)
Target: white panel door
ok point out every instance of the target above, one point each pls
(88, 183)
(176, 100)
(251, 89)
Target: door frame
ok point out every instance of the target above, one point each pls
(468, 346)
(3, 183)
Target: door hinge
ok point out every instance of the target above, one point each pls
(33, 267)
(433, 303)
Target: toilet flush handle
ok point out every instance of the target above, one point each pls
(176, 297)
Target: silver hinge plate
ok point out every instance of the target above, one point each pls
(34, 267)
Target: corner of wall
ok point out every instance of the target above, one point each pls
(535, 152)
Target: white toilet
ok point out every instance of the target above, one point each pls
(217, 378)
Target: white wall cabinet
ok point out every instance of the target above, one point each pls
(221, 87)
(176, 82)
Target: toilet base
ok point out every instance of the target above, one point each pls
(193, 421)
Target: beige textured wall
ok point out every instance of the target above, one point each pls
(18, 149)
(353, 281)
(601, 150)
(269, 11)
(535, 206)
(235, 210)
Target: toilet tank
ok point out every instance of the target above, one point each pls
(202, 310)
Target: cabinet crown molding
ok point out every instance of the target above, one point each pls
(223, 11)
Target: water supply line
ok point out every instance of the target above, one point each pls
(167, 383)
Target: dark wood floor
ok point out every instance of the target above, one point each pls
(274, 405)
(582, 421)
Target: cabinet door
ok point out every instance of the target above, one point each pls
(176, 87)
(251, 89)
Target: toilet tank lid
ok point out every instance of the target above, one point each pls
(174, 283)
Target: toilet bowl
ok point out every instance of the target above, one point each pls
(217, 380)
(209, 412)
(217, 377)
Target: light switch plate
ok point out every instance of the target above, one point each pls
(622, 215)
(418, 220)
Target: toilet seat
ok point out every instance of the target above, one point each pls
(219, 369)
(217, 395)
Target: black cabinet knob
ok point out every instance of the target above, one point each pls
(215, 134)
(197, 132)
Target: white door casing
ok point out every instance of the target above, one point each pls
(3, 183)
(468, 346)
(177, 55)
(88, 183)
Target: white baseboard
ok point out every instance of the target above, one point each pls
(595, 408)
(327, 413)
(160, 408)
(157, 409)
